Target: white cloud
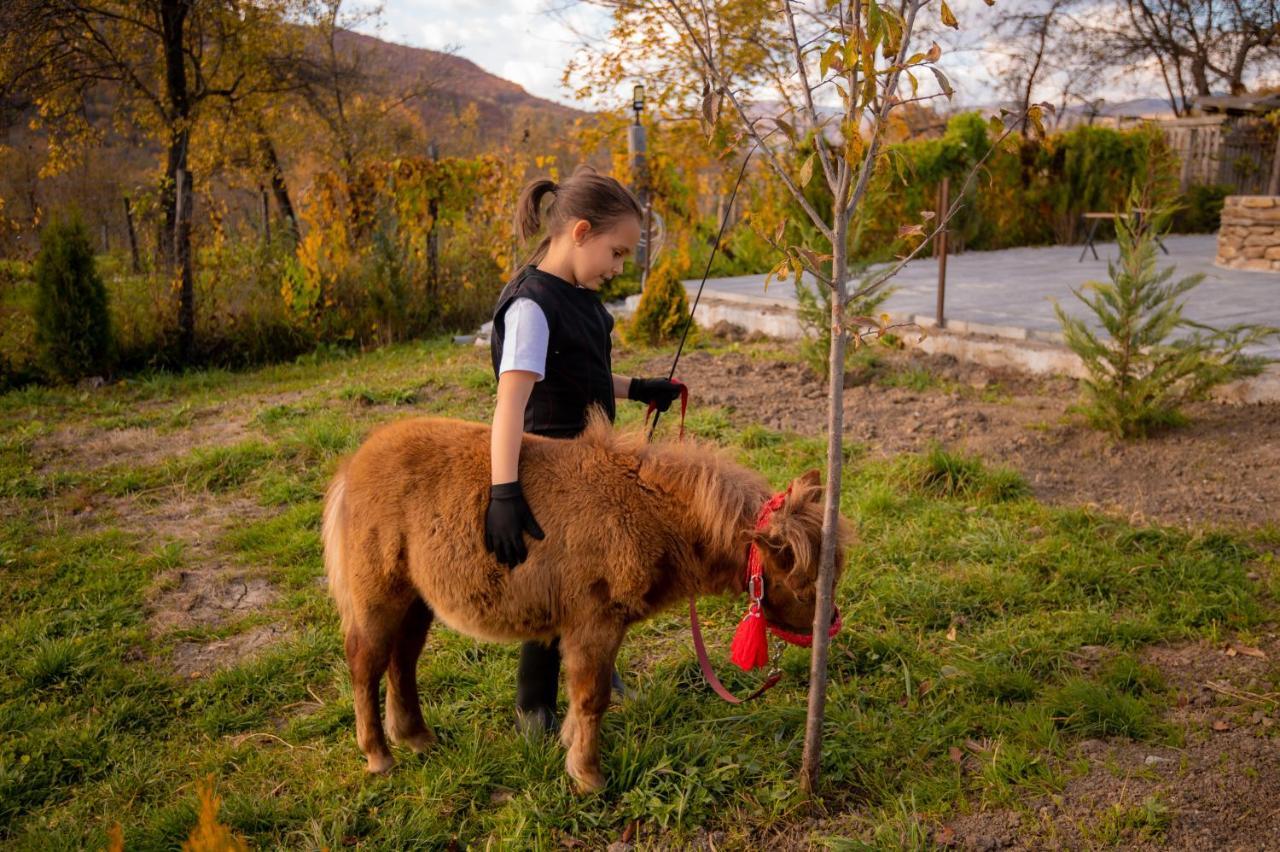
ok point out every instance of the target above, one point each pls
(520, 40)
(525, 42)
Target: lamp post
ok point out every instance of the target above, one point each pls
(636, 144)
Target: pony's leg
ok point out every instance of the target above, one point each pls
(368, 648)
(588, 662)
(404, 710)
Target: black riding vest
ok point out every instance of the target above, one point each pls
(579, 370)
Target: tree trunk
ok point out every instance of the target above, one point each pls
(279, 189)
(831, 507)
(173, 14)
(133, 236)
(1199, 75)
(182, 257)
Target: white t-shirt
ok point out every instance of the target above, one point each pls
(525, 338)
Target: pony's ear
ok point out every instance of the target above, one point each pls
(810, 477)
(805, 488)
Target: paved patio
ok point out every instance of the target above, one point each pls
(1011, 292)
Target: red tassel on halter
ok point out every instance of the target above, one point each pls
(750, 649)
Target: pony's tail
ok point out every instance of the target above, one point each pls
(332, 534)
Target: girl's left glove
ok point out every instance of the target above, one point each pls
(658, 392)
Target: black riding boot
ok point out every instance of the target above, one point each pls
(537, 683)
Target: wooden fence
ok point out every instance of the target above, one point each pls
(1240, 151)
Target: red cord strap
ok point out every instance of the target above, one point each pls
(750, 648)
(684, 405)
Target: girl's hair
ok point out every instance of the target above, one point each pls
(586, 194)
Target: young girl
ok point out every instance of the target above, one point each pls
(551, 354)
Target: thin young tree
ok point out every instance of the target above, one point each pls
(856, 55)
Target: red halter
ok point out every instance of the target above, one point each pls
(750, 648)
(750, 645)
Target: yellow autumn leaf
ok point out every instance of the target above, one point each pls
(948, 18)
(806, 172)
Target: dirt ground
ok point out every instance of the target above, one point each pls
(1220, 790)
(1222, 469)
(209, 591)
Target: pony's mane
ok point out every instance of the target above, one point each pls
(717, 488)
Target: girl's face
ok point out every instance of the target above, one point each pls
(598, 255)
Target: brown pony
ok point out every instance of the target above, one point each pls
(631, 528)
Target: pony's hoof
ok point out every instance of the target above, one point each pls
(380, 764)
(419, 743)
(587, 781)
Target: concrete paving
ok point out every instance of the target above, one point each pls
(1010, 293)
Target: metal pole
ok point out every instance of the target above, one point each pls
(637, 143)
(944, 201)
(648, 236)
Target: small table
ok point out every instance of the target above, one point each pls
(1095, 219)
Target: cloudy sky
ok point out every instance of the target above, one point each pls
(525, 41)
(530, 41)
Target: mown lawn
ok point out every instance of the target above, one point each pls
(954, 683)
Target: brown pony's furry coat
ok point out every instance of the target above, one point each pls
(630, 527)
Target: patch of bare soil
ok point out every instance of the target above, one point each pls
(207, 597)
(1224, 468)
(83, 446)
(194, 660)
(88, 448)
(207, 591)
(1221, 790)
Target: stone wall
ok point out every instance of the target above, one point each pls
(1250, 234)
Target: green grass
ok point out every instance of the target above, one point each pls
(94, 729)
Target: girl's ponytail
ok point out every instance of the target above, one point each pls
(585, 194)
(528, 208)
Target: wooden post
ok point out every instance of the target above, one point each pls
(433, 239)
(1273, 185)
(944, 202)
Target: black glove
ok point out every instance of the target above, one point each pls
(506, 521)
(659, 392)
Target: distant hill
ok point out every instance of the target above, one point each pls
(503, 106)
